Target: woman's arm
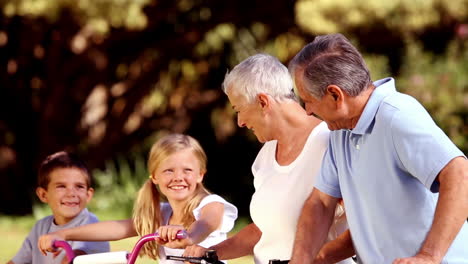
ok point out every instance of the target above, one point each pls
(313, 225)
(336, 250)
(239, 245)
(100, 231)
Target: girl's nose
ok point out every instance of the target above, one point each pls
(178, 176)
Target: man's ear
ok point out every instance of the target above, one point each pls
(263, 100)
(42, 194)
(335, 93)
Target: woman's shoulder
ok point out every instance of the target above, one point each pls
(319, 136)
(264, 156)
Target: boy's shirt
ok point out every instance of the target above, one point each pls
(29, 252)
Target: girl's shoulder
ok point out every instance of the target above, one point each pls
(229, 209)
(211, 198)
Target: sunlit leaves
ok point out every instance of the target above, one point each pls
(441, 84)
(100, 15)
(328, 16)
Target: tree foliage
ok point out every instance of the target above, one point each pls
(104, 78)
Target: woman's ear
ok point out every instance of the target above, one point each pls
(263, 100)
(42, 194)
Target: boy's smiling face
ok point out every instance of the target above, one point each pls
(67, 193)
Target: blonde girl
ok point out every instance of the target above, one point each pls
(177, 165)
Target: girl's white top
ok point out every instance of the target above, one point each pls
(280, 193)
(229, 217)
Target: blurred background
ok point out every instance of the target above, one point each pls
(106, 78)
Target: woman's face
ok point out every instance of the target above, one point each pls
(249, 115)
(178, 175)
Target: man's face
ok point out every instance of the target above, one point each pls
(67, 193)
(325, 108)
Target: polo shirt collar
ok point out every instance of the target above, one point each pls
(383, 88)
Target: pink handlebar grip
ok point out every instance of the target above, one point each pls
(68, 250)
(144, 239)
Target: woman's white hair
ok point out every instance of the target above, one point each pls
(260, 73)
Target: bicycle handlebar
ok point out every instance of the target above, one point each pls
(277, 261)
(210, 257)
(131, 258)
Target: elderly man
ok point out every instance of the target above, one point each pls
(403, 182)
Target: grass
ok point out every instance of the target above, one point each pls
(13, 231)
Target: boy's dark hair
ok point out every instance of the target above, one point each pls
(61, 159)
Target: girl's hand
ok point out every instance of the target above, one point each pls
(168, 237)
(194, 251)
(45, 243)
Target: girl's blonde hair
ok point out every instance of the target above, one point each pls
(147, 212)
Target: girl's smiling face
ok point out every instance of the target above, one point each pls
(178, 175)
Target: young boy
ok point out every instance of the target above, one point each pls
(64, 184)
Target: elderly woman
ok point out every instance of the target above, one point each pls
(260, 91)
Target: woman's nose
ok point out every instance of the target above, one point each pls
(240, 122)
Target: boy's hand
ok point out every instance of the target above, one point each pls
(168, 237)
(45, 243)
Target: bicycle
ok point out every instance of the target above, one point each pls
(124, 257)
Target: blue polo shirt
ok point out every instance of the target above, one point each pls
(385, 171)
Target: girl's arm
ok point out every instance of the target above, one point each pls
(100, 231)
(211, 217)
(239, 245)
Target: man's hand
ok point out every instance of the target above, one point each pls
(420, 258)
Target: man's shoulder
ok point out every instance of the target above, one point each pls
(402, 109)
(400, 102)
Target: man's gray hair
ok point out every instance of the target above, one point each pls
(331, 60)
(260, 73)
